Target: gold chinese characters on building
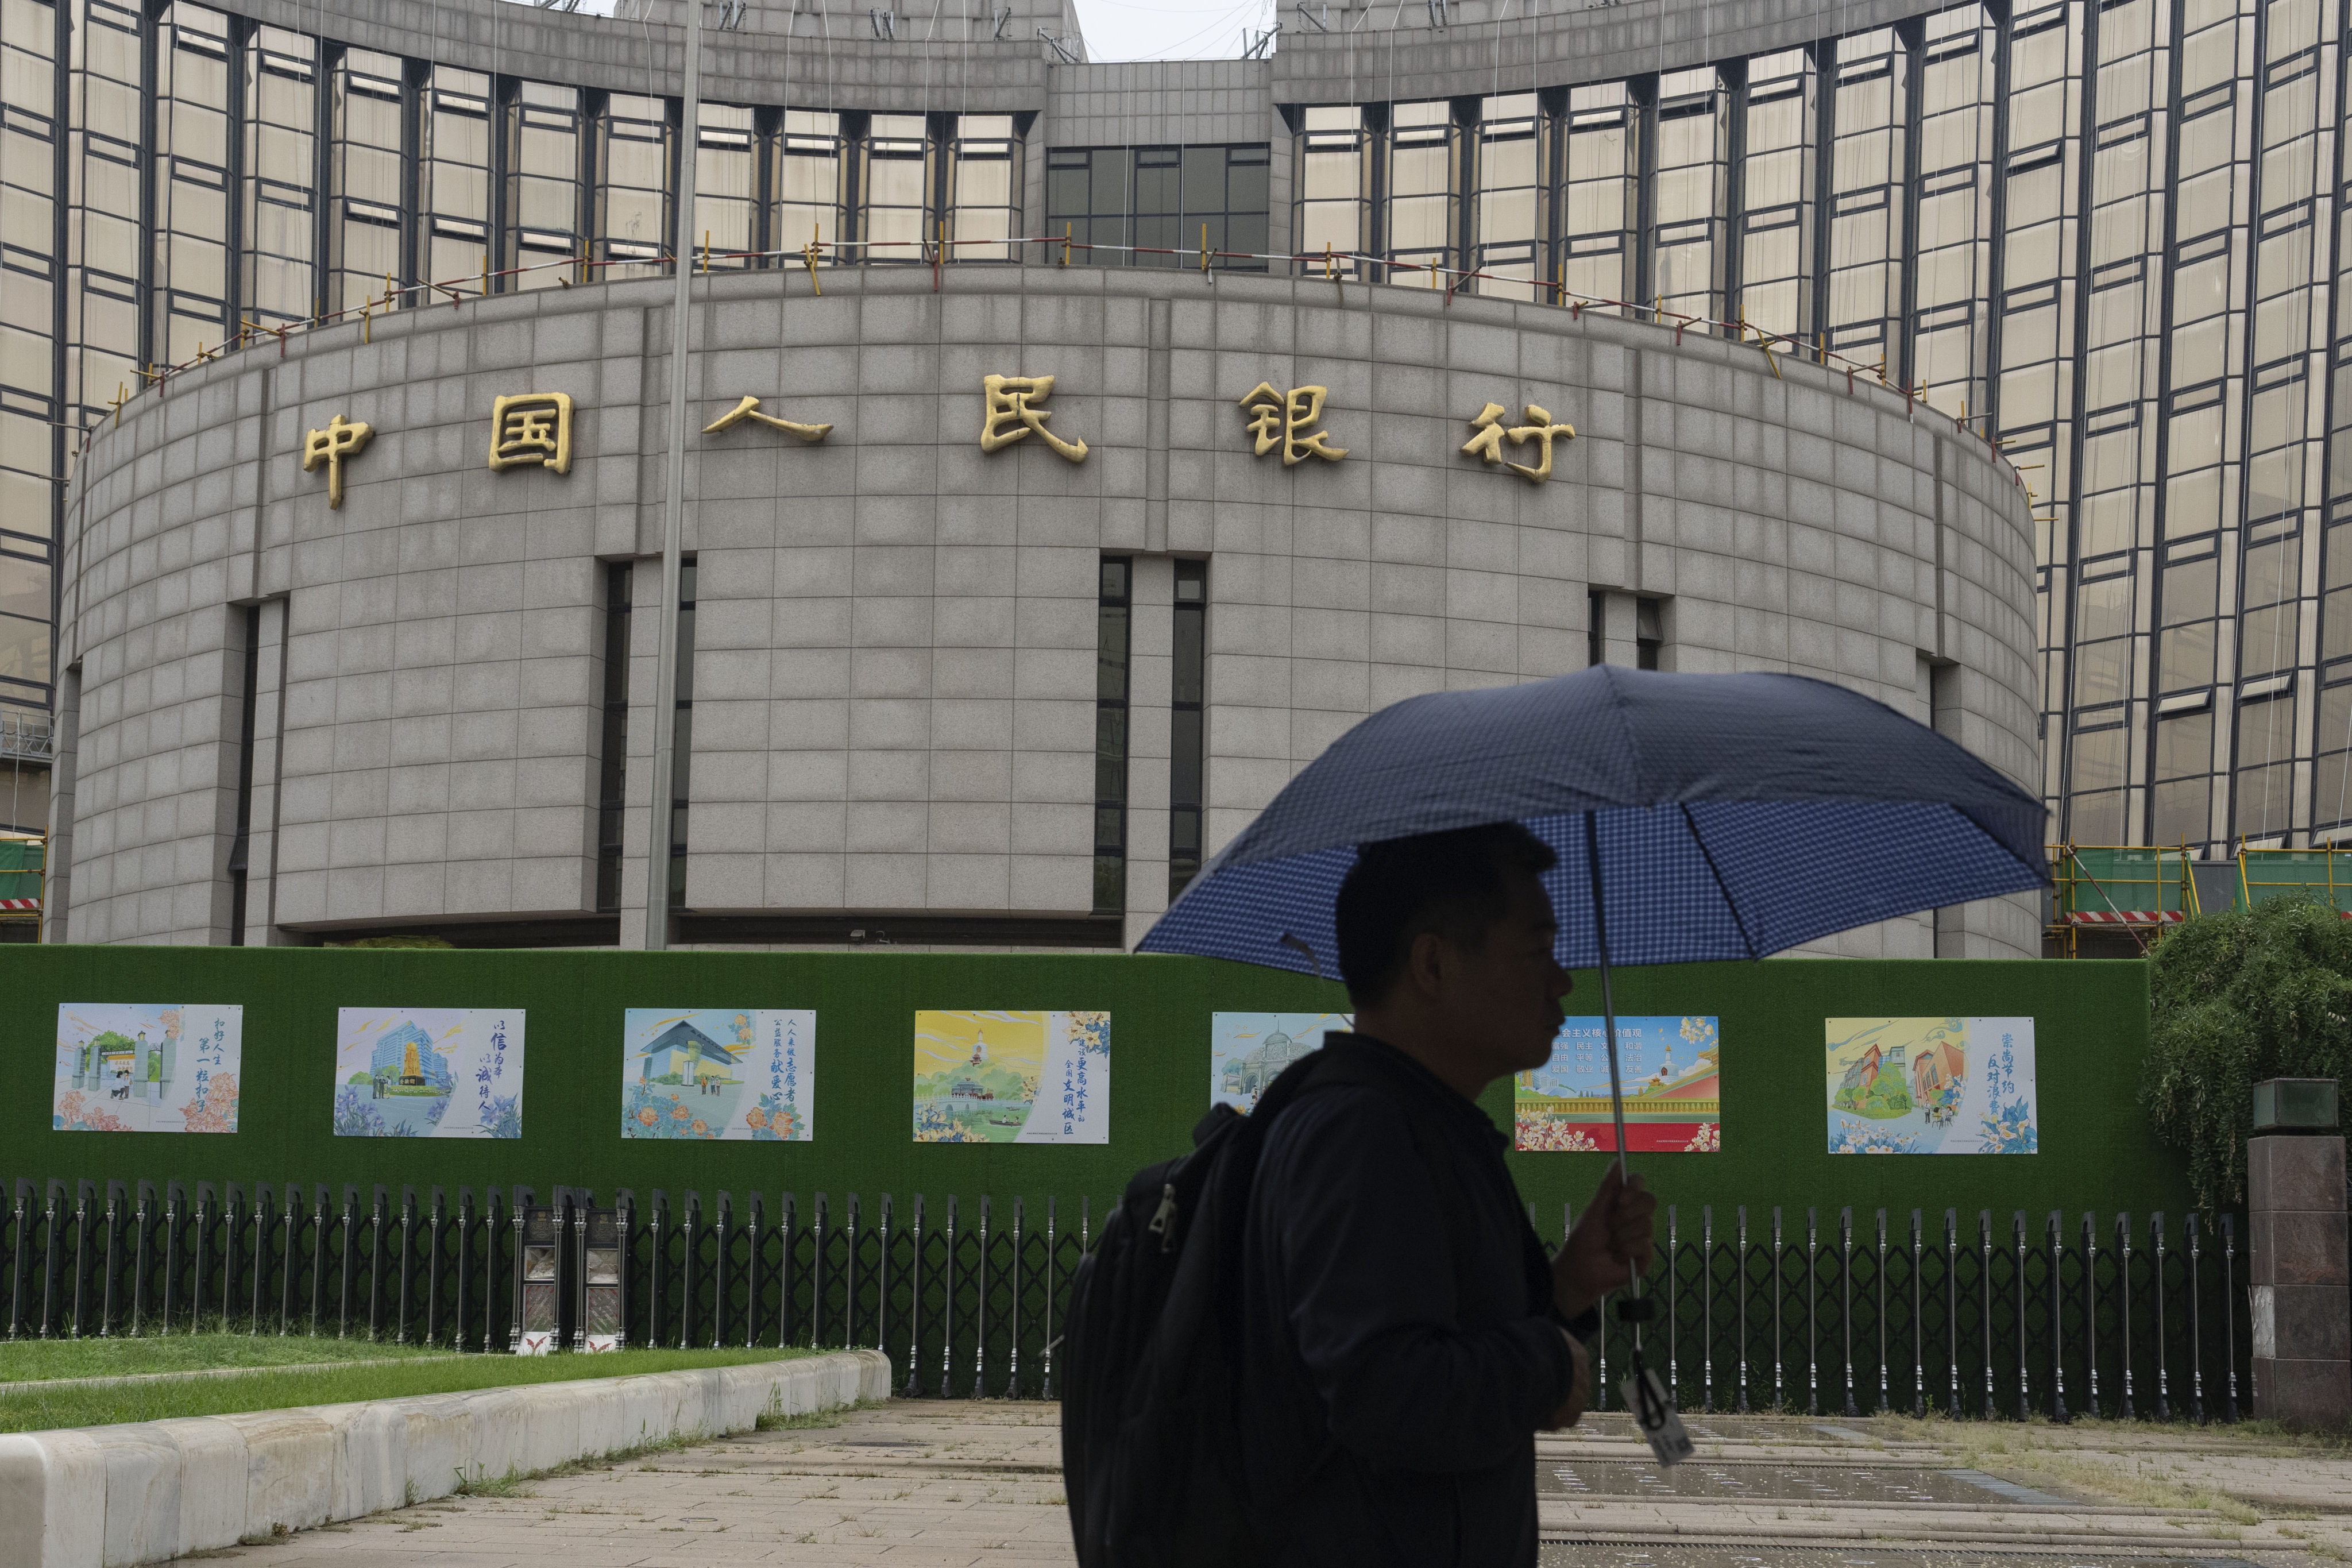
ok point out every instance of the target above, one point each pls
(340, 440)
(531, 428)
(1013, 412)
(1488, 430)
(1288, 420)
(749, 409)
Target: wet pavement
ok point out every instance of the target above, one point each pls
(943, 1484)
(1769, 1482)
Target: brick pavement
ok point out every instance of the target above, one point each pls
(939, 1484)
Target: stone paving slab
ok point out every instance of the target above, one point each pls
(946, 1484)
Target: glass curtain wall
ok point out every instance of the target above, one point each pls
(1869, 170)
(895, 190)
(726, 186)
(29, 447)
(1423, 186)
(1781, 119)
(1161, 197)
(453, 193)
(1508, 219)
(808, 194)
(2114, 524)
(2200, 451)
(1953, 273)
(2286, 427)
(106, 350)
(544, 185)
(2040, 189)
(983, 188)
(365, 235)
(1686, 234)
(633, 173)
(1335, 190)
(2331, 807)
(280, 274)
(1600, 205)
(194, 181)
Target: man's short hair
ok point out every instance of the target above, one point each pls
(1452, 883)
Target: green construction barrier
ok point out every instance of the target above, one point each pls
(2091, 1031)
(20, 868)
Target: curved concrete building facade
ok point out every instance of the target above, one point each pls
(937, 693)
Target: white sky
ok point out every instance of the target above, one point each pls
(1171, 29)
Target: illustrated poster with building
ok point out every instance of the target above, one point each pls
(129, 1066)
(1011, 1078)
(428, 1072)
(1931, 1086)
(718, 1073)
(1672, 1070)
(1248, 1050)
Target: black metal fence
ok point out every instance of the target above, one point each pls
(1760, 1309)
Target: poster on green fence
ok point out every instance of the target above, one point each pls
(1931, 1086)
(1011, 1078)
(744, 1074)
(428, 1072)
(130, 1067)
(1248, 1050)
(1672, 1072)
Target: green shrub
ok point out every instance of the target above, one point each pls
(2236, 998)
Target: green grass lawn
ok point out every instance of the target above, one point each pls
(38, 1361)
(83, 1404)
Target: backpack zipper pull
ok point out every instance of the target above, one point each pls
(1163, 1218)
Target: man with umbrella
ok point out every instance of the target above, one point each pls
(1404, 1334)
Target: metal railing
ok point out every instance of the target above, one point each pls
(2053, 1315)
(24, 739)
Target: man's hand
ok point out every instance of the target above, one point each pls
(1609, 1246)
(1579, 1388)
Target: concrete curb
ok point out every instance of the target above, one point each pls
(107, 1497)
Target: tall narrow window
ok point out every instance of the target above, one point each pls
(544, 185)
(726, 176)
(983, 195)
(1776, 227)
(1424, 183)
(280, 179)
(193, 114)
(808, 184)
(682, 749)
(896, 189)
(369, 152)
(1693, 125)
(1333, 189)
(1187, 724)
(632, 181)
(456, 197)
(612, 786)
(1600, 194)
(1509, 216)
(239, 857)
(1112, 635)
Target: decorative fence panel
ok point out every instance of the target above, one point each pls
(1823, 1312)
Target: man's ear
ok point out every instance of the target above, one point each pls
(1425, 962)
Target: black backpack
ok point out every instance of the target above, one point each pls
(1150, 1457)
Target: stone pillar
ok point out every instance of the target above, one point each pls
(2301, 1293)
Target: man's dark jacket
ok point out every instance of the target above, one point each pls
(1397, 1344)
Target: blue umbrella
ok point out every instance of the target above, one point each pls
(1695, 817)
(1704, 816)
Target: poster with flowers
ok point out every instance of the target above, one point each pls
(1672, 1072)
(1931, 1086)
(718, 1073)
(428, 1072)
(1013, 1078)
(130, 1067)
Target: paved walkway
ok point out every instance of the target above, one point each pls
(927, 1484)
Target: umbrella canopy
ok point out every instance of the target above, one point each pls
(1735, 815)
